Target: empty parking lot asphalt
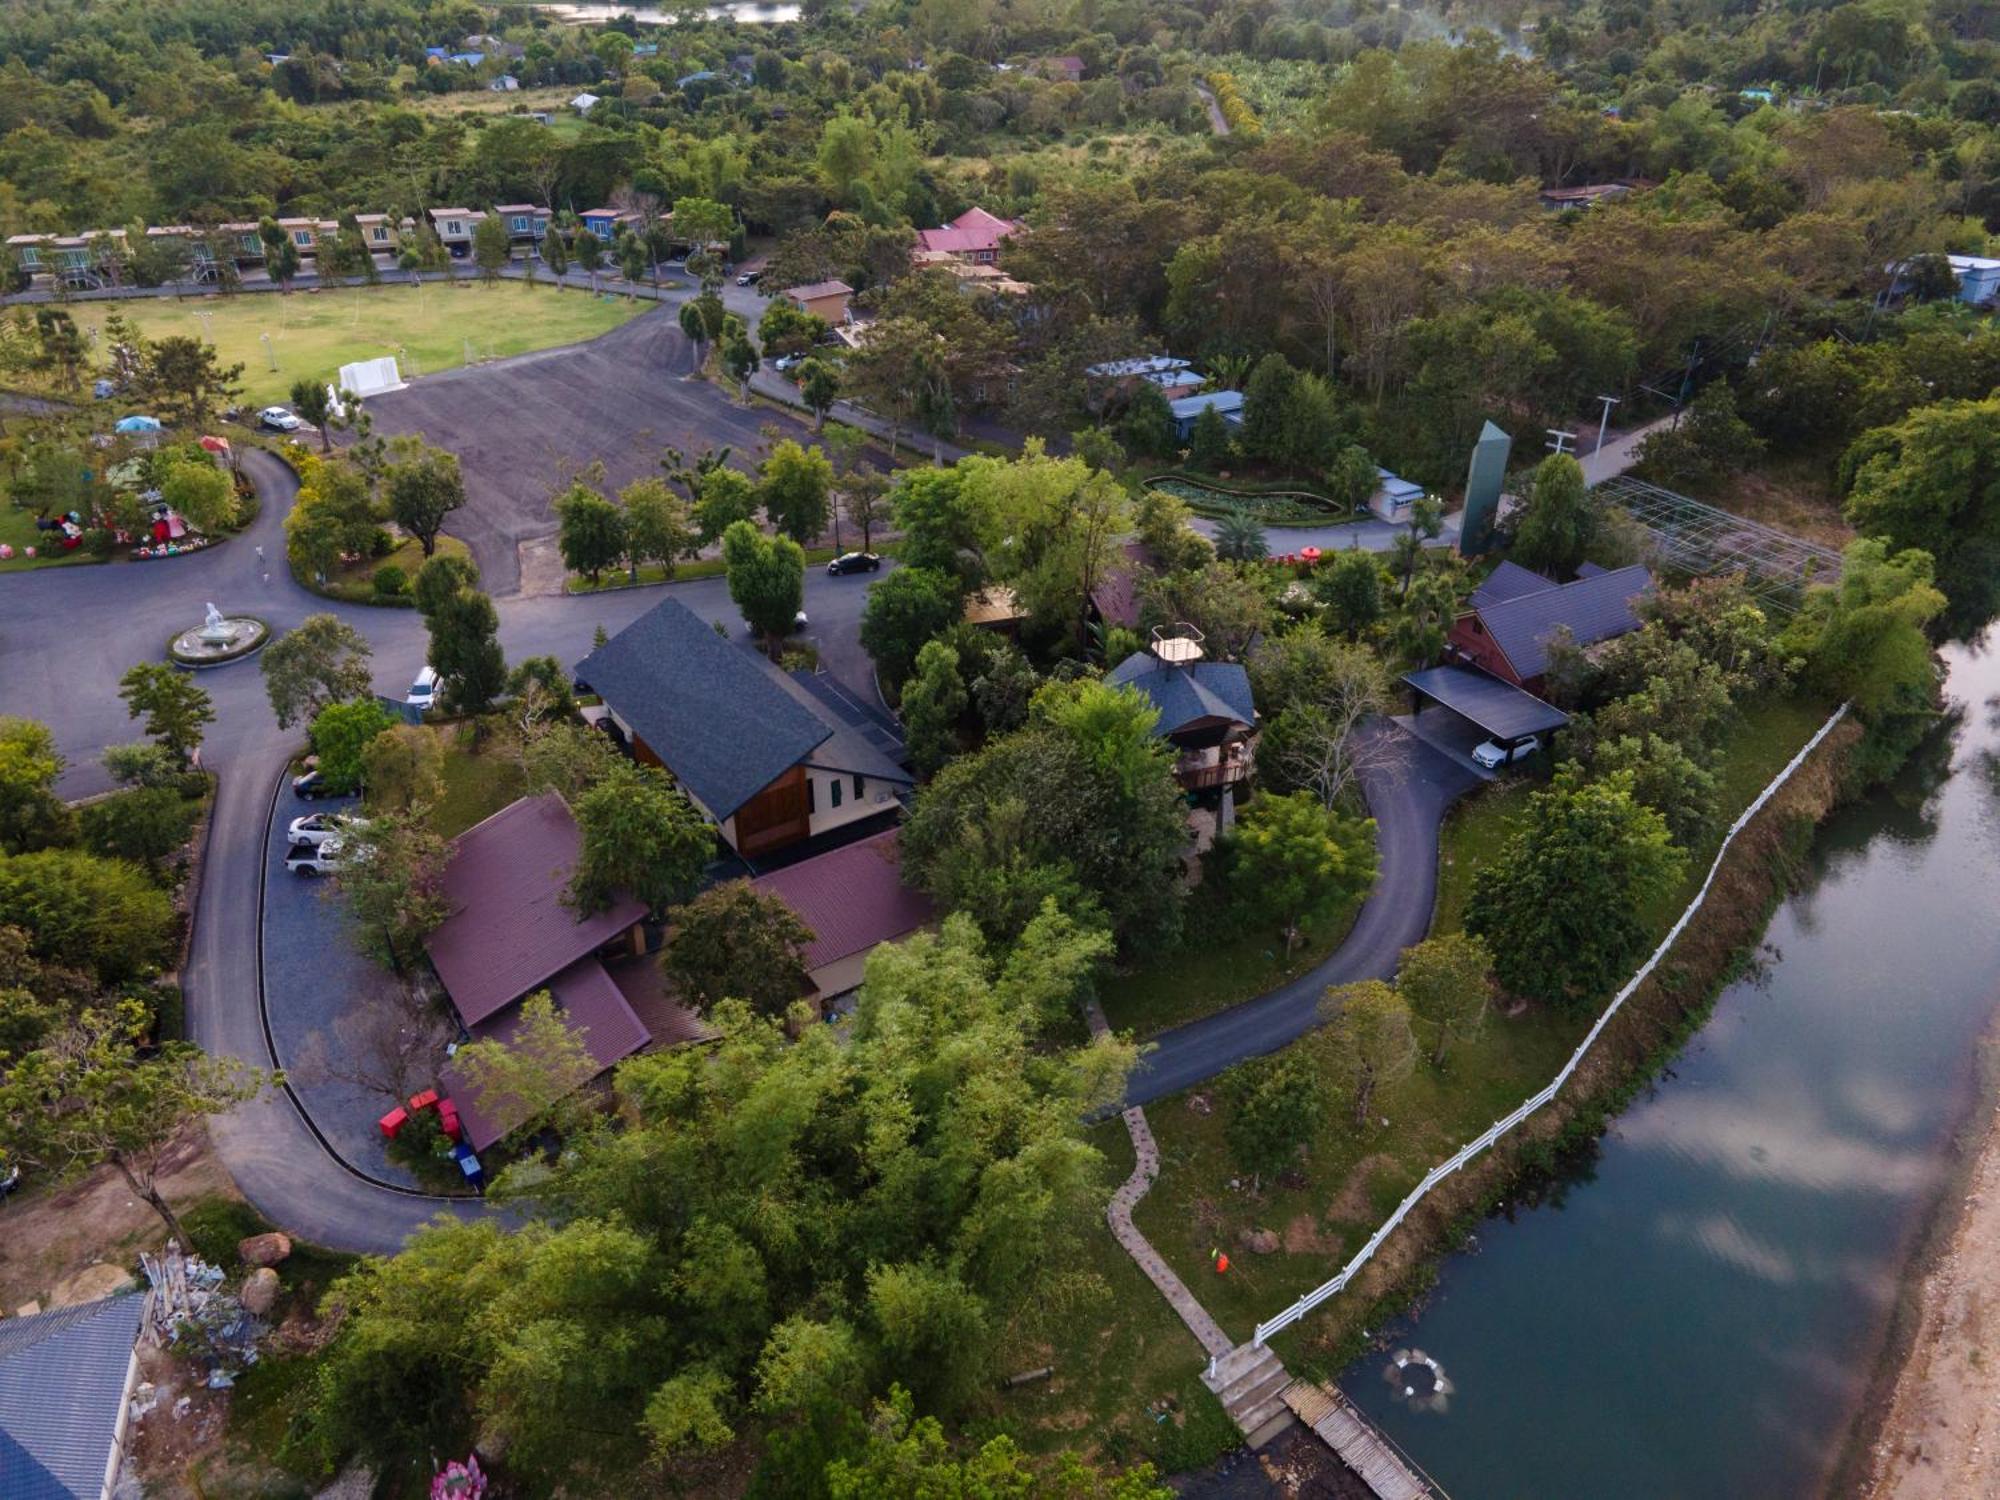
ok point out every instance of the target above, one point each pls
(523, 427)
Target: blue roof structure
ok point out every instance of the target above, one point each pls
(1509, 581)
(1188, 695)
(1501, 709)
(62, 1390)
(1592, 609)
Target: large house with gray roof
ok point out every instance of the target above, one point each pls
(1206, 710)
(66, 1381)
(1516, 613)
(766, 760)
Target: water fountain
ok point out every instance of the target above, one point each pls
(219, 638)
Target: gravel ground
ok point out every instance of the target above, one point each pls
(521, 426)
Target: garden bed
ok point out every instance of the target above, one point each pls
(1273, 507)
(354, 582)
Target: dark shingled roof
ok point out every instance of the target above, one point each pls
(722, 724)
(1509, 581)
(1190, 694)
(62, 1384)
(1501, 709)
(852, 898)
(1595, 609)
(509, 930)
(1117, 593)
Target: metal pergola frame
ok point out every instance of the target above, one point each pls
(1702, 541)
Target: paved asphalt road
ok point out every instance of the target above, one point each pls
(1409, 790)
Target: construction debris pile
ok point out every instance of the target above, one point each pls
(186, 1308)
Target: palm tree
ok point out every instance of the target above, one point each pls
(1239, 537)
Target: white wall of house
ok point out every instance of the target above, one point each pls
(835, 802)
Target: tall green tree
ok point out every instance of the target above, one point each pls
(104, 1093)
(1444, 981)
(933, 701)
(794, 484)
(341, 734)
(766, 579)
(321, 660)
(32, 816)
(393, 880)
(1298, 861)
(174, 707)
(591, 530)
(640, 834)
(723, 496)
(1367, 1040)
(658, 526)
(491, 249)
(1564, 906)
(529, 1078)
(1932, 482)
(1556, 526)
(424, 486)
(910, 607)
(734, 942)
(1277, 1105)
(312, 403)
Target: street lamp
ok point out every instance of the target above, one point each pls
(1604, 421)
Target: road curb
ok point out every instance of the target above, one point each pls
(271, 1041)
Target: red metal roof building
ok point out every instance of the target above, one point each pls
(854, 900)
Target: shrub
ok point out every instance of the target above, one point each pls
(390, 581)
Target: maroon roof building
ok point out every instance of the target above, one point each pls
(510, 934)
(854, 900)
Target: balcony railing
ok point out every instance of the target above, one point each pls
(1195, 777)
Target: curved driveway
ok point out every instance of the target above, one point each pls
(1409, 788)
(68, 634)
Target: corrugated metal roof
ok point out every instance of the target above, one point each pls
(591, 1005)
(726, 726)
(1595, 609)
(62, 1384)
(1225, 402)
(1509, 581)
(1501, 709)
(852, 898)
(509, 930)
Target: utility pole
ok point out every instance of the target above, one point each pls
(1603, 422)
(1557, 437)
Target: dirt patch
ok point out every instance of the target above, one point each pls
(1350, 1205)
(50, 1234)
(1791, 500)
(542, 570)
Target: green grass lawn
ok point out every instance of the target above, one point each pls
(427, 327)
(1221, 963)
(1352, 1177)
(354, 583)
(17, 529)
(478, 780)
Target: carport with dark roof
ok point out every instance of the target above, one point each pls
(1507, 713)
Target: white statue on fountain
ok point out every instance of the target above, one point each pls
(215, 630)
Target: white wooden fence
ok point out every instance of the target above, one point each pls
(1499, 1128)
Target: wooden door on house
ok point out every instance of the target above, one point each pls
(776, 816)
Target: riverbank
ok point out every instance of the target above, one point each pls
(1931, 1427)
(1641, 1041)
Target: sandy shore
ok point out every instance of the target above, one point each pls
(1940, 1434)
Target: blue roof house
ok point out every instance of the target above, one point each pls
(1207, 711)
(1188, 408)
(66, 1380)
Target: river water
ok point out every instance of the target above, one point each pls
(1696, 1311)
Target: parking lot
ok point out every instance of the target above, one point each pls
(522, 427)
(314, 972)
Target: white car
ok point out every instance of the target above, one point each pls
(423, 692)
(316, 859)
(315, 829)
(279, 418)
(1493, 755)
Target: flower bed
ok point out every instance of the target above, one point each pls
(1273, 507)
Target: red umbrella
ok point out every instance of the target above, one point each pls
(216, 444)
(1309, 554)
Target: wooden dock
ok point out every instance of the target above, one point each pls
(1381, 1465)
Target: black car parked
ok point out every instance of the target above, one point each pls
(854, 562)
